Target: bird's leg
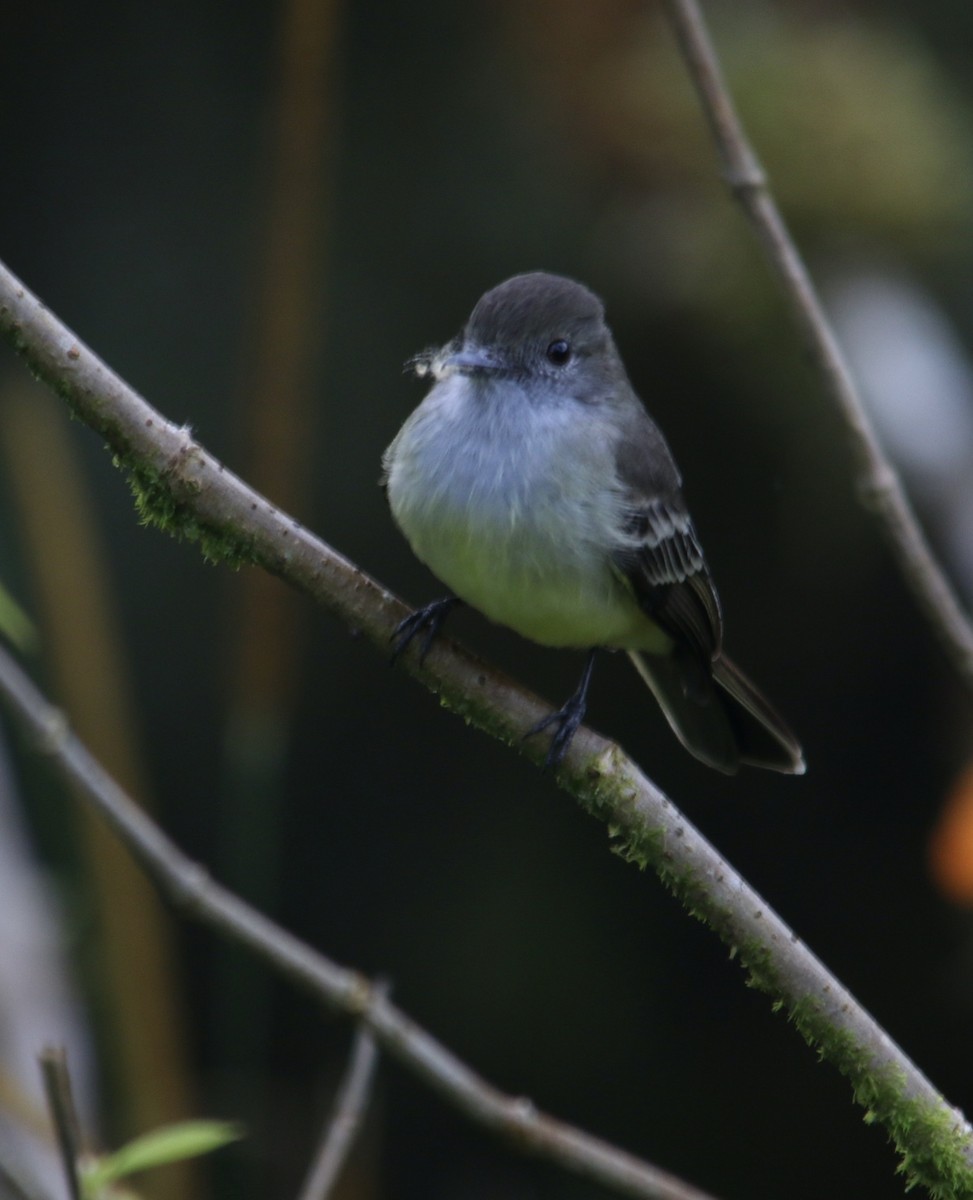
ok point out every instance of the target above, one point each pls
(429, 618)
(567, 718)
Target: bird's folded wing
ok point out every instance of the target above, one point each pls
(661, 560)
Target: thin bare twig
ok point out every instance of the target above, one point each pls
(184, 488)
(64, 1116)
(878, 482)
(344, 1121)
(513, 1118)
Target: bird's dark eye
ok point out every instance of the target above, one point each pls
(559, 352)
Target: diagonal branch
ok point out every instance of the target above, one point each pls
(511, 1117)
(878, 482)
(180, 486)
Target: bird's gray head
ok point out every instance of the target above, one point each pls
(535, 328)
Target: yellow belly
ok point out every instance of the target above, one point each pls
(566, 605)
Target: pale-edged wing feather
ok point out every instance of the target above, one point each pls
(660, 558)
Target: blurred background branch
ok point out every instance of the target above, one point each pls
(64, 1115)
(73, 586)
(878, 481)
(348, 1112)
(279, 442)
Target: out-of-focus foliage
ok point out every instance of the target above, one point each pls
(14, 622)
(865, 136)
(160, 1148)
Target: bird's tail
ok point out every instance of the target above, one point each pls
(720, 718)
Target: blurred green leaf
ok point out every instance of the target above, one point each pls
(14, 622)
(171, 1143)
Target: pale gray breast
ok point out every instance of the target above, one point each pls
(487, 458)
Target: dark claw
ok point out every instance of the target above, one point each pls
(567, 719)
(429, 618)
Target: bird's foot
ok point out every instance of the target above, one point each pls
(428, 619)
(567, 719)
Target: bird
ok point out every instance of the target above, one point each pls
(534, 484)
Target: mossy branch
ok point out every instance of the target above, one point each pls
(185, 490)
